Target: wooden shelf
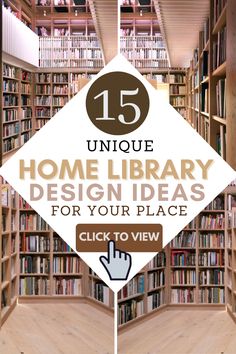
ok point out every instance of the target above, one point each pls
(220, 120)
(221, 22)
(220, 71)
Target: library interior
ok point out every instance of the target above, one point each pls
(187, 51)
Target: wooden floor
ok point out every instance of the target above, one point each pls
(57, 329)
(181, 332)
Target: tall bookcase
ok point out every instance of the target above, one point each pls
(210, 97)
(37, 265)
(145, 293)
(231, 251)
(176, 81)
(190, 272)
(9, 254)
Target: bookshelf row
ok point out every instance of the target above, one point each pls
(209, 84)
(36, 262)
(175, 82)
(70, 52)
(31, 99)
(194, 269)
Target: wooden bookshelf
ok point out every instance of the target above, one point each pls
(9, 255)
(144, 294)
(37, 265)
(210, 100)
(191, 274)
(231, 251)
(175, 80)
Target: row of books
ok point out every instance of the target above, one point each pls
(10, 100)
(9, 115)
(177, 79)
(212, 240)
(41, 286)
(183, 258)
(10, 129)
(60, 100)
(23, 204)
(183, 296)
(207, 295)
(34, 286)
(26, 75)
(26, 88)
(205, 33)
(221, 98)
(60, 89)
(4, 246)
(184, 240)
(83, 63)
(10, 71)
(43, 112)
(43, 78)
(129, 311)
(231, 201)
(32, 222)
(205, 99)
(59, 245)
(34, 264)
(177, 89)
(212, 276)
(204, 65)
(177, 101)
(212, 221)
(219, 49)
(211, 258)
(232, 219)
(40, 123)
(26, 112)
(43, 101)
(26, 125)
(25, 136)
(221, 141)
(43, 89)
(155, 300)
(25, 101)
(150, 63)
(34, 243)
(133, 287)
(10, 144)
(183, 277)
(62, 286)
(216, 204)
(212, 295)
(67, 264)
(156, 279)
(10, 86)
(101, 292)
(158, 261)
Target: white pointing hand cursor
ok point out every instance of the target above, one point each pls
(117, 263)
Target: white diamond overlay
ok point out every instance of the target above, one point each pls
(64, 137)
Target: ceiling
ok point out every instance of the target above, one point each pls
(105, 18)
(180, 23)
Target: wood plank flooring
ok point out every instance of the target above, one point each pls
(57, 329)
(181, 332)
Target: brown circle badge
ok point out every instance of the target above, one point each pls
(117, 103)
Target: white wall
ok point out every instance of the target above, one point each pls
(18, 39)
